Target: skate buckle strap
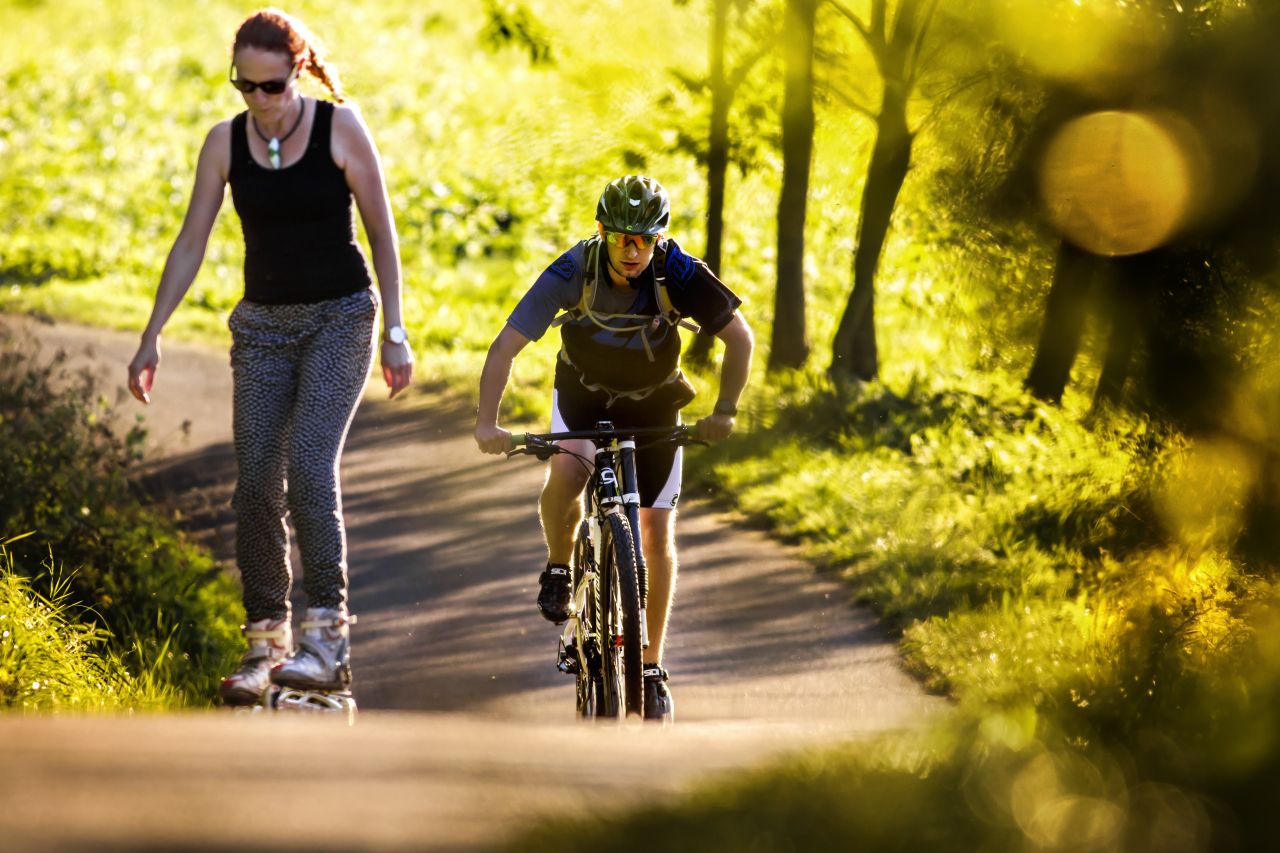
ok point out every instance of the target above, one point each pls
(333, 622)
(655, 673)
(558, 570)
(276, 633)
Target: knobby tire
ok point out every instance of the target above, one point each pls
(590, 683)
(620, 601)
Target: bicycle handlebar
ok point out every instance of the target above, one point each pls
(679, 432)
(541, 444)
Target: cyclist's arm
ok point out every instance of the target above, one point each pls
(493, 383)
(738, 345)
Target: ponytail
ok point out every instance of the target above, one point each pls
(280, 32)
(325, 73)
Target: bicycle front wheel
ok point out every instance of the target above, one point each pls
(587, 632)
(620, 606)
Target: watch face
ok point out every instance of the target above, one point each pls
(396, 334)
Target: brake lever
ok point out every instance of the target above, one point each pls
(541, 452)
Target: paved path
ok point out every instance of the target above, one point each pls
(464, 723)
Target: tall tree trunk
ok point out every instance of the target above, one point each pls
(853, 352)
(790, 346)
(1129, 286)
(717, 160)
(1064, 314)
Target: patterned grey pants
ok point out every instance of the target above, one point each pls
(298, 373)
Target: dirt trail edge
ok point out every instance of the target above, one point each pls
(466, 729)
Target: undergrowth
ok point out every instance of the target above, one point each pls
(53, 657)
(163, 606)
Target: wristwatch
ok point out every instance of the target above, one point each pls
(395, 335)
(724, 407)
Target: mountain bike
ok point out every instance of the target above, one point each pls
(605, 636)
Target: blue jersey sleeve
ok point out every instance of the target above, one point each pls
(696, 292)
(557, 289)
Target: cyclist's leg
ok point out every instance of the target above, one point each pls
(659, 543)
(560, 507)
(659, 468)
(658, 474)
(660, 553)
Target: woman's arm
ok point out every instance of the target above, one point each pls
(187, 254)
(357, 156)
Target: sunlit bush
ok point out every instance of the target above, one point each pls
(164, 606)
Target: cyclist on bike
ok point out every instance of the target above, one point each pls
(623, 292)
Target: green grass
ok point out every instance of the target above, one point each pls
(493, 166)
(53, 658)
(1113, 660)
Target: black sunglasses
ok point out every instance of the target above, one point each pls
(271, 87)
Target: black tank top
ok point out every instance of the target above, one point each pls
(299, 232)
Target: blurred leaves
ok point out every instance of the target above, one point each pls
(513, 24)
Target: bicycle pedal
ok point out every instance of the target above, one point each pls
(568, 667)
(568, 662)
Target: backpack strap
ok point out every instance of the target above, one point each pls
(666, 309)
(587, 295)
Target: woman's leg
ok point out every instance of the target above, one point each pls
(334, 369)
(332, 377)
(264, 372)
(264, 376)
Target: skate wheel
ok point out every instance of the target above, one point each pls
(292, 700)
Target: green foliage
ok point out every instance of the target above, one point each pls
(54, 658)
(164, 607)
(493, 165)
(513, 23)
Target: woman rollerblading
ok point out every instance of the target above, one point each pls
(303, 338)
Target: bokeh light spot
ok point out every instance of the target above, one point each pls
(1116, 183)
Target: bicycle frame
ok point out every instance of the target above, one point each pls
(589, 647)
(602, 496)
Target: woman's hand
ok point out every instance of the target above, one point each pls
(397, 366)
(142, 370)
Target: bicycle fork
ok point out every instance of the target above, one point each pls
(630, 499)
(631, 504)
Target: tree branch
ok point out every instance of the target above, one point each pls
(855, 20)
(877, 18)
(914, 62)
(739, 75)
(848, 101)
(945, 97)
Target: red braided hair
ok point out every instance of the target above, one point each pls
(279, 32)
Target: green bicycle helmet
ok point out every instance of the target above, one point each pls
(634, 205)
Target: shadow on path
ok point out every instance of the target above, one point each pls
(445, 549)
